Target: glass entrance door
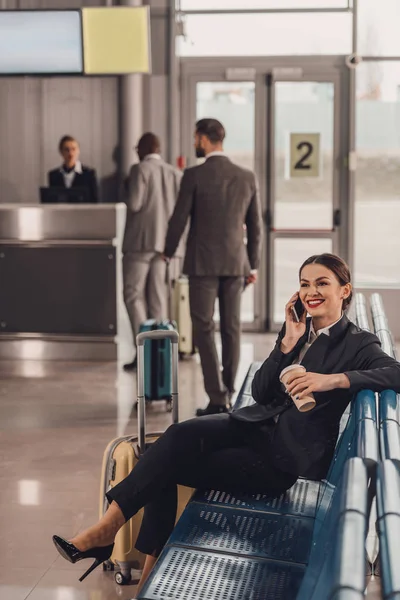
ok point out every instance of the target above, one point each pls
(303, 212)
(285, 122)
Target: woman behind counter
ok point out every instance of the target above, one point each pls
(72, 174)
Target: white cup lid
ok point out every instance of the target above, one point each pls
(291, 368)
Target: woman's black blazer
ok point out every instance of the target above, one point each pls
(87, 179)
(304, 443)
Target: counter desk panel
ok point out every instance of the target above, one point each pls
(58, 289)
(60, 279)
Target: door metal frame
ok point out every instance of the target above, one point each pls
(314, 68)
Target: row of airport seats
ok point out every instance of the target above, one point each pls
(307, 544)
(388, 475)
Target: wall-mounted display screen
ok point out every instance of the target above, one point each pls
(40, 42)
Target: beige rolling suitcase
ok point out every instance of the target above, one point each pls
(121, 456)
(181, 316)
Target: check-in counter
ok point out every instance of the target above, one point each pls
(60, 281)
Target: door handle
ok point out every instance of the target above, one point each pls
(337, 218)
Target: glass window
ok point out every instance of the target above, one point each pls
(232, 103)
(266, 34)
(304, 120)
(377, 206)
(289, 255)
(266, 4)
(378, 27)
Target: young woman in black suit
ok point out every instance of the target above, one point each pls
(72, 173)
(261, 448)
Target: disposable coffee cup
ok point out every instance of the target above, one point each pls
(303, 404)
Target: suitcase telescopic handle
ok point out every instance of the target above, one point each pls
(157, 335)
(140, 340)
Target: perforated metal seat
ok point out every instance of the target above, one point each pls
(244, 532)
(300, 500)
(185, 574)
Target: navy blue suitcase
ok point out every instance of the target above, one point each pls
(158, 363)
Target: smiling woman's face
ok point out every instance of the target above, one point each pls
(321, 292)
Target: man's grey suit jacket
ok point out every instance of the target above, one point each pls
(220, 198)
(152, 191)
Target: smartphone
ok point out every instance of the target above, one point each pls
(298, 310)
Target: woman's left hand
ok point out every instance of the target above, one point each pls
(302, 385)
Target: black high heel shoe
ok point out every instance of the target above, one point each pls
(73, 555)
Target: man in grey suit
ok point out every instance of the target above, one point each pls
(152, 190)
(220, 198)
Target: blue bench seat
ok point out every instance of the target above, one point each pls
(254, 547)
(388, 504)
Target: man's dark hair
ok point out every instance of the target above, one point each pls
(64, 140)
(212, 129)
(149, 143)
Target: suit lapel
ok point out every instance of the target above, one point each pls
(303, 339)
(60, 179)
(315, 357)
(77, 180)
(289, 358)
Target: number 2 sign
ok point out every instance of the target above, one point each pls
(305, 155)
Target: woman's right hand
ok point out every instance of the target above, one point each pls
(294, 330)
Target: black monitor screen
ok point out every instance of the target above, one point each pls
(36, 42)
(55, 195)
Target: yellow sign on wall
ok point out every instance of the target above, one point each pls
(305, 155)
(116, 40)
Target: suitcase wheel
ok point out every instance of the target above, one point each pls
(108, 566)
(147, 402)
(122, 579)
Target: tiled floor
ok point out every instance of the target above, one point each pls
(56, 420)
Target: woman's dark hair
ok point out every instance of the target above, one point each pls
(212, 129)
(335, 264)
(64, 140)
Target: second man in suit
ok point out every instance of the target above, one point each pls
(152, 190)
(220, 198)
